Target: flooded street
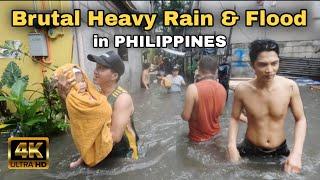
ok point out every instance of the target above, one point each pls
(166, 153)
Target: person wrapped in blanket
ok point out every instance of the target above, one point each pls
(109, 68)
(81, 83)
(89, 115)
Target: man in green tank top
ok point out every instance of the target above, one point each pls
(109, 68)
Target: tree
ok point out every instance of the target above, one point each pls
(179, 6)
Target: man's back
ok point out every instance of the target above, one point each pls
(266, 111)
(209, 104)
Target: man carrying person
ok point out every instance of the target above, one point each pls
(109, 68)
(204, 102)
(266, 100)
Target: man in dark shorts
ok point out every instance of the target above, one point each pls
(248, 149)
(266, 100)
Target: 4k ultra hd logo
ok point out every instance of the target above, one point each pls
(28, 153)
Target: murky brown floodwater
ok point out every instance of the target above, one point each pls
(166, 153)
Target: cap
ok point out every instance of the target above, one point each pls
(110, 60)
(176, 67)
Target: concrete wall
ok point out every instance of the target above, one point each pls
(60, 49)
(84, 45)
(299, 49)
(296, 49)
(303, 49)
(243, 34)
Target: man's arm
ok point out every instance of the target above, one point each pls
(182, 81)
(233, 152)
(293, 163)
(189, 102)
(122, 110)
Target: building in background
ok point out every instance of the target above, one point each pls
(55, 43)
(83, 40)
(58, 46)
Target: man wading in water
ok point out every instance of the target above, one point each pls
(109, 68)
(266, 100)
(204, 102)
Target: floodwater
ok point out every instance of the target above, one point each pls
(166, 153)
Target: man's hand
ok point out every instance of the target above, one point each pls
(233, 154)
(64, 84)
(293, 163)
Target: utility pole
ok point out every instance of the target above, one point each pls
(229, 47)
(224, 70)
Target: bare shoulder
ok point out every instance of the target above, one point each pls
(192, 91)
(192, 88)
(243, 87)
(124, 100)
(290, 84)
(193, 85)
(283, 79)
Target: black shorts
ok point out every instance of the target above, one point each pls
(247, 149)
(121, 149)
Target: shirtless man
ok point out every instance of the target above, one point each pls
(145, 76)
(266, 100)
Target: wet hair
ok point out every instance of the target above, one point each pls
(258, 46)
(145, 66)
(208, 64)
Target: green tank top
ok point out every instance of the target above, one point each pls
(128, 145)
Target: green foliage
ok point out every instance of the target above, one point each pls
(192, 67)
(179, 6)
(41, 116)
(4, 111)
(11, 74)
(28, 113)
(55, 111)
(11, 49)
